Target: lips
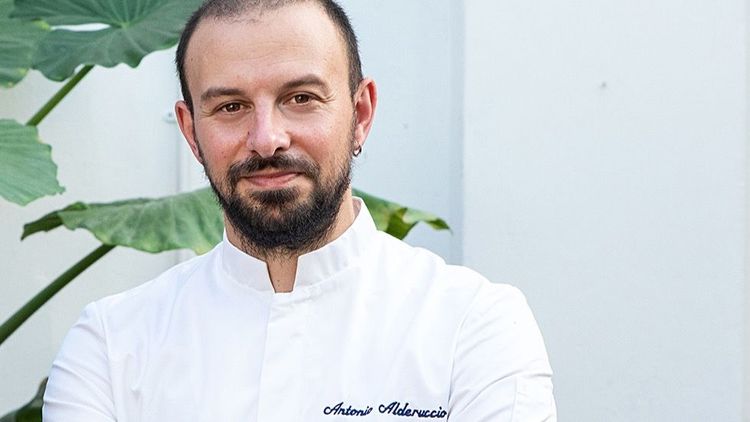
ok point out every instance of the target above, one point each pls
(272, 179)
(275, 172)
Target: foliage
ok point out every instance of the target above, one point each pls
(26, 168)
(132, 29)
(18, 41)
(37, 34)
(184, 221)
(398, 220)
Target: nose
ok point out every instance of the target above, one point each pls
(267, 133)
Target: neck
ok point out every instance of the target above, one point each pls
(282, 267)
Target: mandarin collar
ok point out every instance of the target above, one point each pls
(312, 267)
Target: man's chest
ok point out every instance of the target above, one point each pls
(300, 361)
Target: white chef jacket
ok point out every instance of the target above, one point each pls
(374, 330)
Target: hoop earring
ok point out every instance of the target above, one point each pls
(357, 151)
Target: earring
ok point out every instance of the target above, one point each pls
(357, 151)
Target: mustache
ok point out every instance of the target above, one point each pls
(278, 162)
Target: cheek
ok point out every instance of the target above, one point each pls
(220, 143)
(226, 132)
(334, 153)
(323, 140)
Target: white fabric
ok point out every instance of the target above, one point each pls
(374, 329)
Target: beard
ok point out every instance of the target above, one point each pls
(279, 222)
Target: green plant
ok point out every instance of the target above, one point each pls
(35, 34)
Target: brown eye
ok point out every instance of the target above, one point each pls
(301, 99)
(232, 107)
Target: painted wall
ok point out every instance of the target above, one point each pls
(605, 170)
(412, 50)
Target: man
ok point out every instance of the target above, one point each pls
(304, 312)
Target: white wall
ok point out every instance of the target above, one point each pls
(605, 170)
(413, 154)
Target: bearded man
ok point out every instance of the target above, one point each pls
(305, 312)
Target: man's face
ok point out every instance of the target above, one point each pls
(273, 123)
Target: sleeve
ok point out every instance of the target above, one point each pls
(501, 372)
(79, 386)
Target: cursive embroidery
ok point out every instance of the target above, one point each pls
(339, 409)
(395, 408)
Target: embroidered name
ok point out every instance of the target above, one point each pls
(339, 409)
(395, 408)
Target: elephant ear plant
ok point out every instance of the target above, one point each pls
(42, 35)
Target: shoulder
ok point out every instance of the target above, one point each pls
(477, 305)
(406, 259)
(80, 380)
(460, 291)
(154, 293)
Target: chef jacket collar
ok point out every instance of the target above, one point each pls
(312, 267)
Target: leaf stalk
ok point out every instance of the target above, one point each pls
(48, 292)
(59, 95)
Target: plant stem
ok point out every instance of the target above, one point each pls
(42, 297)
(59, 95)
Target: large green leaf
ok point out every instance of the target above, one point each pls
(18, 41)
(133, 29)
(398, 220)
(32, 411)
(26, 168)
(184, 221)
(190, 220)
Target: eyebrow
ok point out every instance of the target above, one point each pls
(307, 80)
(215, 92)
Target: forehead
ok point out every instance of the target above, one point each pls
(265, 47)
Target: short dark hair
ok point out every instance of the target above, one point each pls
(226, 9)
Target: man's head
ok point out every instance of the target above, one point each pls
(235, 9)
(273, 114)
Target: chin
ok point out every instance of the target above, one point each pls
(278, 198)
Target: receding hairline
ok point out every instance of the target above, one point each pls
(234, 8)
(254, 15)
(251, 11)
(228, 11)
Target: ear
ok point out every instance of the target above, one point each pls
(187, 127)
(365, 101)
